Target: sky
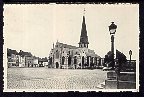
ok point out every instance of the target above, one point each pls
(35, 27)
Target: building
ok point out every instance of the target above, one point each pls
(42, 62)
(68, 56)
(21, 60)
(25, 59)
(12, 58)
(35, 61)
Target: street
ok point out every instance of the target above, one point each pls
(46, 78)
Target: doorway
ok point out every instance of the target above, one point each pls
(57, 65)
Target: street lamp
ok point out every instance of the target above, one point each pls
(112, 29)
(130, 53)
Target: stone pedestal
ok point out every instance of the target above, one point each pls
(127, 80)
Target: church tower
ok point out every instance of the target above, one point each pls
(83, 38)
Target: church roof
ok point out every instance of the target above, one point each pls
(67, 46)
(92, 53)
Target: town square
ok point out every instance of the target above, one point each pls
(71, 47)
(44, 78)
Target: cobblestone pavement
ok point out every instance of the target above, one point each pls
(45, 78)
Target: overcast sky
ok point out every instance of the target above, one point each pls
(35, 28)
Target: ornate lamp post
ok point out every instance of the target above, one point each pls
(112, 29)
(130, 53)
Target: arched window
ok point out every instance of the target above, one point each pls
(50, 60)
(57, 54)
(95, 60)
(87, 60)
(75, 60)
(63, 60)
(99, 61)
(69, 60)
(82, 60)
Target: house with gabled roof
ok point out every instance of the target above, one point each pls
(12, 58)
(25, 59)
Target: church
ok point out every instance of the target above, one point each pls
(66, 56)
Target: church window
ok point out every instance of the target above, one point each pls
(95, 60)
(57, 54)
(69, 60)
(63, 59)
(63, 51)
(69, 52)
(75, 60)
(82, 60)
(76, 52)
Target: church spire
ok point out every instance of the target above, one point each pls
(83, 38)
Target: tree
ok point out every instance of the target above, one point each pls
(120, 57)
(121, 61)
(108, 59)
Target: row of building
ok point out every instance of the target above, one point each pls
(55, 60)
(24, 59)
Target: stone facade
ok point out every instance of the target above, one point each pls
(68, 56)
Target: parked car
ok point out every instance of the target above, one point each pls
(107, 68)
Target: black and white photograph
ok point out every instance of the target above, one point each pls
(71, 47)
